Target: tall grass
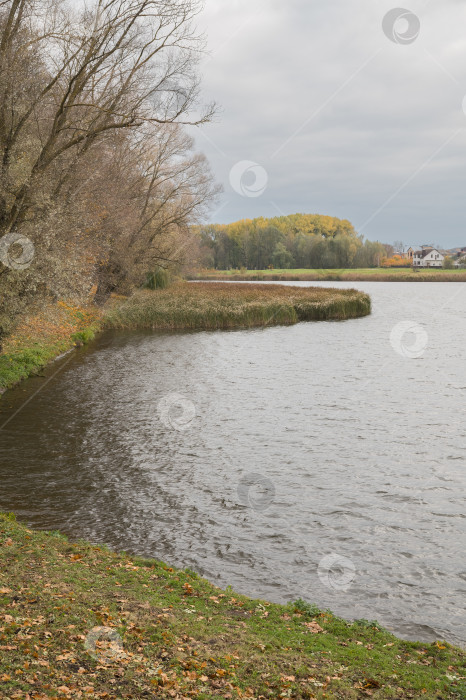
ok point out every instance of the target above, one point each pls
(349, 275)
(208, 306)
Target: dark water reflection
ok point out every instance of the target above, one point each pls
(361, 449)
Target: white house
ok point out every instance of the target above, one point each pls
(428, 257)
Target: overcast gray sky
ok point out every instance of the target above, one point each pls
(339, 118)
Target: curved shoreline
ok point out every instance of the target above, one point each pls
(210, 306)
(103, 624)
(181, 307)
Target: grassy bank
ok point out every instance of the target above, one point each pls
(43, 336)
(53, 330)
(170, 634)
(211, 306)
(349, 275)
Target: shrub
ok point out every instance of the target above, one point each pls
(448, 263)
(159, 279)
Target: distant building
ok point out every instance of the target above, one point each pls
(428, 257)
(460, 257)
(410, 252)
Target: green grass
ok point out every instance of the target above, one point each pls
(41, 338)
(352, 275)
(16, 366)
(24, 363)
(171, 634)
(218, 306)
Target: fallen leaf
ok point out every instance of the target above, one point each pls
(314, 627)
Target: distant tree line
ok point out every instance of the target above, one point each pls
(285, 242)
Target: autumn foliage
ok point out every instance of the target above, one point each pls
(396, 261)
(52, 324)
(98, 174)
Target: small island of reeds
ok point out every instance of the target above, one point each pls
(210, 306)
(56, 328)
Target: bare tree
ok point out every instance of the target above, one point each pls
(70, 81)
(117, 65)
(151, 190)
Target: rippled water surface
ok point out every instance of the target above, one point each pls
(360, 503)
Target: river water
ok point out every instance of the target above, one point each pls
(324, 461)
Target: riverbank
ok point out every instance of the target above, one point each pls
(56, 329)
(42, 337)
(218, 306)
(78, 621)
(360, 275)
